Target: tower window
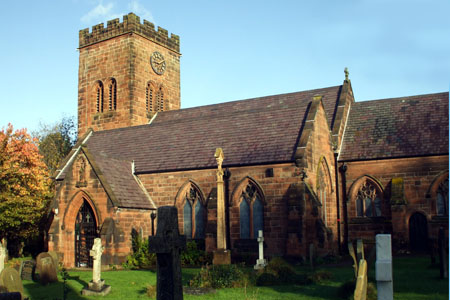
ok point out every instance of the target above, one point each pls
(149, 97)
(160, 100)
(112, 103)
(99, 96)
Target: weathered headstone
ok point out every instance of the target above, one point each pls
(10, 280)
(97, 285)
(2, 257)
(383, 267)
(46, 268)
(27, 269)
(167, 244)
(443, 267)
(261, 262)
(351, 250)
(311, 256)
(361, 281)
(221, 255)
(359, 250)
(55, 258)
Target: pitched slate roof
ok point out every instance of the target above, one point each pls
(398, 127)
(121, 185)
(255, 131)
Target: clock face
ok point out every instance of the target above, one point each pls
(158, 63)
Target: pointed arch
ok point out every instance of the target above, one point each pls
(149, 96)
(438, 193)
(74, 206)
(112, 94)
(191, 204)
(324, 186)
(367, 194)
(248, 196)
(98, 92)
(160, 100)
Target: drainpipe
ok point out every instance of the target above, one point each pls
(343, 170)
(338, 210)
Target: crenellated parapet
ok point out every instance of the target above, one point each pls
(131, 23)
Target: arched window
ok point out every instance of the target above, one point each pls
(368, 200)
(99, 96)
(323, 187)
(160, 99)
(442, 198)
(149, 97)
(251, 211)
(112, 103)
(194, 214)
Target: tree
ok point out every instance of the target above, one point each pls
(24, 185)
(56, 141)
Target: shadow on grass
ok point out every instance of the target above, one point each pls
(52, 291)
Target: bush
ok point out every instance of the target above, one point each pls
(192, 256)
(347, 289)
(320, 276)
(267, 279)
(281, 269)
(140, 258)
(219, 276)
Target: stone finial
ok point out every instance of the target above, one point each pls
(346, 73)
(317, 97)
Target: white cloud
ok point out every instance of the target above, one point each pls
(137, 8)
(100, 13)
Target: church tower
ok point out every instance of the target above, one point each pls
(128, 71)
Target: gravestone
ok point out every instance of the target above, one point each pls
(443, 267)
(167, 244)
(261, 262)
(361, 281)
(2, 257)
(383, 267)
(10, 280)
(351, 250)
(27, 269)
(97, 285)
(55, 258)
(46, 268)
(311, 256)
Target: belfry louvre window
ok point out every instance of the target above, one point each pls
(251, 212)
(194, 214)
(160, 100)
(442, 198)
(112, 103)
(149, 97)
(99, 96)
(368, 200)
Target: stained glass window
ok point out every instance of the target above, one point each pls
(194, 214)
(251, 212)
(368, 200)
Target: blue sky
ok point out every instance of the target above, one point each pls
(231, 49)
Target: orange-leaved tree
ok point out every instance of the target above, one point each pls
(25, 185)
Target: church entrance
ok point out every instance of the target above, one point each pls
(418, 232)
(85, 233)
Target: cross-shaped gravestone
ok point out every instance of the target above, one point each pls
(97, 286)
(261, 262)
(167, 244)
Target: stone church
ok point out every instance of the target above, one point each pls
(310, 167)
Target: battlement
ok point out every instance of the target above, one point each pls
(131, 23)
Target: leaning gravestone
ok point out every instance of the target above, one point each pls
(167, 244)
(27, 269)
(46, 268)
(10, 280)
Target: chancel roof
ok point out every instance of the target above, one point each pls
(254, 131)
(398, 127)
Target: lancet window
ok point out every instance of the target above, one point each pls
(442, 198)
(160, 99)
(99, 96)
(149, 97)
(251, 212)
(368, 200)
(322, 189)
(112, 103)
(194, 214)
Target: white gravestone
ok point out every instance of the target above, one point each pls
(383, 267)
(261, 262)
(97, 286)
(2, 257)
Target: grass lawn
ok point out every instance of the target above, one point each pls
(413, 279)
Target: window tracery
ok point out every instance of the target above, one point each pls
(194, 214)
(251, 212)
(368, 200)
